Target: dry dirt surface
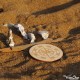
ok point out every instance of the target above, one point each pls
(61, 18)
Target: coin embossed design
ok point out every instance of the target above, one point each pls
(46, 52)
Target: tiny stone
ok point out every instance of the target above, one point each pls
(1, 9)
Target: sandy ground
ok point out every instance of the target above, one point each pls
(61, 18)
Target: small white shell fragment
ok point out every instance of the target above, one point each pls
(31, 37)
(44, 34)
(19, 27)
(22, 30)
(10, 40)
(12, 44)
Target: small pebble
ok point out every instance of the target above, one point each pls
(1, 10)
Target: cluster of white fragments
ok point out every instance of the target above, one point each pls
(30, 36)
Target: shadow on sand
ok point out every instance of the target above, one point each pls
(3, 39)
(69, 70)
(56, 8)
(72, 34)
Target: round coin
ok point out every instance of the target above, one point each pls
(46, 52)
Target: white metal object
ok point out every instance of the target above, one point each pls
(46, 52)
(44, 34)
(31, 37)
